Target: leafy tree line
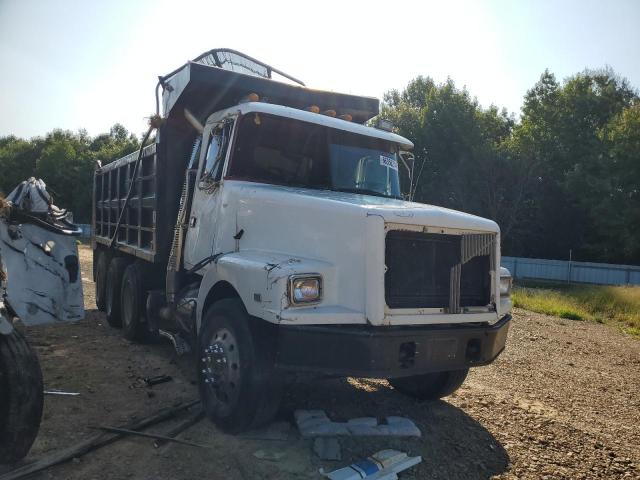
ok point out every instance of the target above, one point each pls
(566, 176)
(65, 161)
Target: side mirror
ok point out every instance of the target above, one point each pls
(409, 161)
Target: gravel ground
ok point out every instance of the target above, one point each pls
(561, 402)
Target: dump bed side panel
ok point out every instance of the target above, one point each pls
(137, 232)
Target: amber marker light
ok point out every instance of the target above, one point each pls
(251, 97)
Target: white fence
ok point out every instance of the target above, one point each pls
(572, 272)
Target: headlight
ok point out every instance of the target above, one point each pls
(305, 289)
(505, 282)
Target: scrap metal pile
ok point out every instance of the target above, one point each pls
(39, 283)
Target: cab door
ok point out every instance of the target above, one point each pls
(206, 198)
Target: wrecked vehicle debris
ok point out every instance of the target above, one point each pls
(316, 423)
(265, 231)
(157, 380)
(39, 283)
(383, 465)
(61, 393)
(95, 442)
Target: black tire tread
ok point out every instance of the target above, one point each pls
(102, 266)
(21, 409)
(113, 288)
(135, 330)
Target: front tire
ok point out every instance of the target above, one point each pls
(21, 397)
(236, 357)
(430, 386)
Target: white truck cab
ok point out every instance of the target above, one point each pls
(293, 250)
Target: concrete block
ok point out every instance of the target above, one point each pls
(327, 448)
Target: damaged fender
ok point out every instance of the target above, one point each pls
(261, 278)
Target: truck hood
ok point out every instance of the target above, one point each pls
(390, 209)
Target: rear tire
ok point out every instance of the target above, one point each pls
(133, 304)
(113, 289)
(21, 397)
(102, 267)
(238, 385)
(430, 386)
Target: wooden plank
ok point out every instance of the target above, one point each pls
(151, 435)
(94, 442)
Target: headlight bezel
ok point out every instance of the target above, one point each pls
(300, 277)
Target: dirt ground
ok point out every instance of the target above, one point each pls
(563, 401)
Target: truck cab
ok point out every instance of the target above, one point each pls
(294, 249)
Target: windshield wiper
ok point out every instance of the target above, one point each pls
(365, 191)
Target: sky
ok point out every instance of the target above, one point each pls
(90, 64)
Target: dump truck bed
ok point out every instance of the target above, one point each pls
(140, 225)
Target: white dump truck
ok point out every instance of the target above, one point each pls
(265, 230)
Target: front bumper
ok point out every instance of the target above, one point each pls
(389, 352)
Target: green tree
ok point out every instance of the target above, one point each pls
(65, 161)
(17, 161)
(461, 146)
(561, 137)
(619, 208)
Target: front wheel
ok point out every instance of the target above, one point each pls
(21, 397)
(430, 386)
(238, 385)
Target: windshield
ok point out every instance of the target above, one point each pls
(282, 151)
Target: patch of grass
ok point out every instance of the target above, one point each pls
(603, 304)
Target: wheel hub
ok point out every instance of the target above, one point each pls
(220, 364)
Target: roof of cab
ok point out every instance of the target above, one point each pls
(310, 117)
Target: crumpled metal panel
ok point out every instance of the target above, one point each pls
(44, 283)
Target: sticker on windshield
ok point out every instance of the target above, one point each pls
(389, 162)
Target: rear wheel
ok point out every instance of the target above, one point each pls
(102, 267)
(21, 397)
(238, 385)
(132, 304)
(430, 386)
(113, 290)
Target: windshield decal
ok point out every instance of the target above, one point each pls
(389, 162)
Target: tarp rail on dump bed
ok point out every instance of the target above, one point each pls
(137, 233)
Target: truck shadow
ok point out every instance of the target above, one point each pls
(453, 444)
